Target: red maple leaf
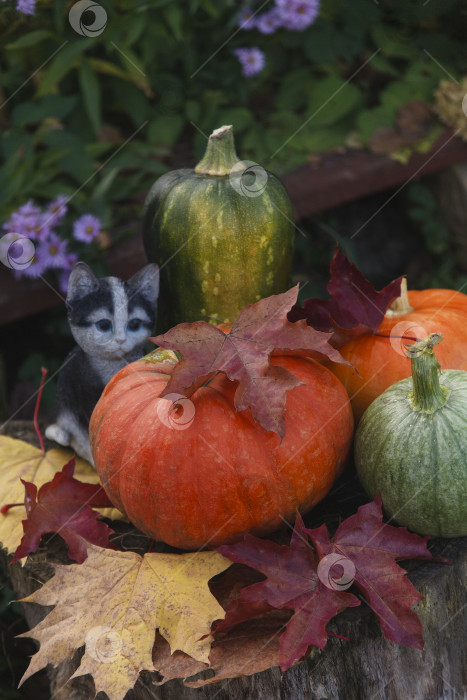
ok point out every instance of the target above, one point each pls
(292, 582)
(373, 546)
(63, 505)
(355, 307)
(243, 355)
(362, 552)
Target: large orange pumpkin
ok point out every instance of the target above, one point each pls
(381, 361)
(208, 475)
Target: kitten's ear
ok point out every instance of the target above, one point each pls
(146, 281)
(82, 281)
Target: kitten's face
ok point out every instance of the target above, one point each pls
(111, 318)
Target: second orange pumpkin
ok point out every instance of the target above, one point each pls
(381, 361)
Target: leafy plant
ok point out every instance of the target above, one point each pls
(97, 118)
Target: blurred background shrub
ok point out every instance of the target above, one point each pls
(99, 117)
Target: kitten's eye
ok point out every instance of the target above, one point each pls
(104, 324)
(134, 324)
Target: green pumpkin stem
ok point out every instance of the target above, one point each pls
(220, 156)
(427, 394)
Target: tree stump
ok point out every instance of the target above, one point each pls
(367, 667)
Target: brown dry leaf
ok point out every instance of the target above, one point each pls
(250, 648)
(19, 460)
(115, 601)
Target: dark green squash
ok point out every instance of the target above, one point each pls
(411, 446)
(221, 233)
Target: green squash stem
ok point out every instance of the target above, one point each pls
(427, 395)
(220, 156)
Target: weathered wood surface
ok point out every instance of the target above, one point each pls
(331, 180)
(367, 667)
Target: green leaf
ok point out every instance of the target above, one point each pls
(392, 41)
(330, 99)
(372, 119)
(239, 117)
(91, 93)
(174, 18)
(293, 92)
(324, 42)
(382, 65)
(31, 38)
(165, 129)
(108, 68)
(61, 64)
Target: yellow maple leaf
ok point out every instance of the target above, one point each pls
(114, 602)
(19, 460)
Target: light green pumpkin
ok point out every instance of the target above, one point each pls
(221, 233)
(411, 447)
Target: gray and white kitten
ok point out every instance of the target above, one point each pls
(110, 319)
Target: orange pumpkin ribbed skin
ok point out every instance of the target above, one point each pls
(379, 362)
(224, 475)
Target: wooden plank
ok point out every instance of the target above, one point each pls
(336, 178)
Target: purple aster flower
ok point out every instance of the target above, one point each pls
(29, 209)
(252, 60)
(25, 225)
(246, 19)
(38, 266)
(54, 250)
(71, 260)
(297, 14)
(86, 228)
(26, 220)
(269, 22)
(27, 7)
(57, 210)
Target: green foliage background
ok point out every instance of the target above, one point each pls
(102, 117)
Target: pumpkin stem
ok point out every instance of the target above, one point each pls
(427, 394)
(401, 305)
(220, 156)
